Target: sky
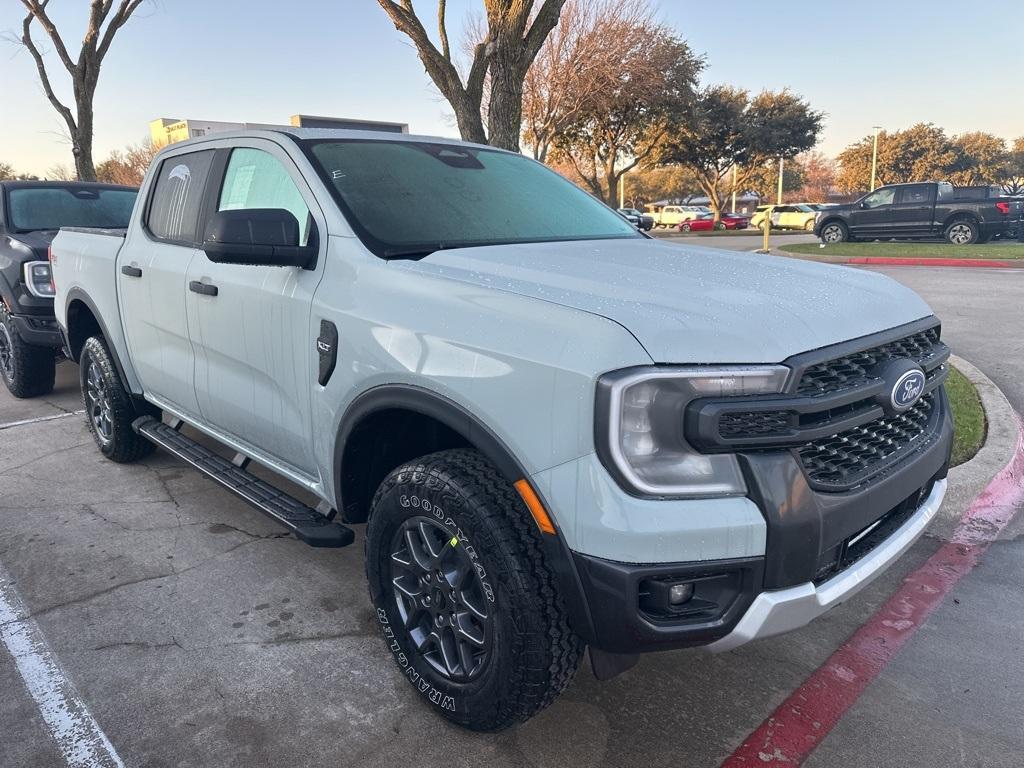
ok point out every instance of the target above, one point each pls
(872, 62)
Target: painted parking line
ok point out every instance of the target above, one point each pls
(77, 735)
(806, 717)
(38, 419)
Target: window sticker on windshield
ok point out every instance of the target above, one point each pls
(241, 182)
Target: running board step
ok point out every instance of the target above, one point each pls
(308, 524)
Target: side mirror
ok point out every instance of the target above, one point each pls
(257, 236)
(863, 206)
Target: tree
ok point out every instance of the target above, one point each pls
(515, 32)
(922, 152)
(6, 171)
(817, 177)
(60, 172)
(982, 159)
(727, 129)
(623, 125)
(103, 24)
(127, 166)
(579, 59)
(1013, 173)
(673, 183)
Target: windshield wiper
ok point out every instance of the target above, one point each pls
(416, 252)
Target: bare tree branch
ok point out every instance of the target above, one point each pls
(84, 72)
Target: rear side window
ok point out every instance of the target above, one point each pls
(915, 194)
(178, 196)
(256, 179)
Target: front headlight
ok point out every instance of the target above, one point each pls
(39, 279)
(640, 427)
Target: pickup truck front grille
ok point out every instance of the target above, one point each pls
(845, 459)
(854, 370)
(833, 417)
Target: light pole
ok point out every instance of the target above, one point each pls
(782, 166)
(734, 188)
(874, 157)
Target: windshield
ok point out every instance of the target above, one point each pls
(408, 199)
(55, 207)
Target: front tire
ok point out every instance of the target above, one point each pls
(109, 409)
(835, 232)
(963, 232)
(466, 601)
(27, 370)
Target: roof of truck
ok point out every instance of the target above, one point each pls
(303, 134)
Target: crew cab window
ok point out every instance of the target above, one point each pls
(917, 193)
(880, 198)
(177, 197)
(257, 179)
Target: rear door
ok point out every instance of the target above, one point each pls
(874, 213)
(255, 354)
(913, 210)
(151, 280)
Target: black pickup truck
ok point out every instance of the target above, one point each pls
(961, 215)
(31, 212)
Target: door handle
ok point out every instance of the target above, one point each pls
(204, 288)
(131, 271)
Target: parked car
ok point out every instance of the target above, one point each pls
(922, 210)
(707, 222)
(789, 216)
(673, 215)
(735, 220)
(393, 325)
(638, 219)
(31, 212)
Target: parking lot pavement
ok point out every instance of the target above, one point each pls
(197, 633)
(747, 242)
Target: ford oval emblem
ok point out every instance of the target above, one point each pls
(907, 389)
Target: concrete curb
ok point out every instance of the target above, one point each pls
(903, 261)
(971, 478)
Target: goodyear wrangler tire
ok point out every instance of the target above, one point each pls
(109, 410)
(465, 600)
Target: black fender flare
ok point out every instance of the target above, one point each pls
(77, 294)
(445, 410)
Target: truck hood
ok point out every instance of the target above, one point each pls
(689, 304)
(39, 241)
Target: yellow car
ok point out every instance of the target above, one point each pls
(789, 216)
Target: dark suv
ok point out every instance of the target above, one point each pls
(31, 212)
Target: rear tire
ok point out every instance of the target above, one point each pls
(835, 232)
(27, 370)
(109, 409)
(493, 584)
(684, 227)
(963, 232)
(809, 226)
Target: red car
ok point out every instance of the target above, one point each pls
(706, 223)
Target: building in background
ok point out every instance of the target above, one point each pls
(166, 130)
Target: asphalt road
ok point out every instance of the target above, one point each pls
(197, 634)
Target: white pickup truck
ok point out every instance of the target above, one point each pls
(559, 433)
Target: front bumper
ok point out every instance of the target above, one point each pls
(778, 611)
(38, 330)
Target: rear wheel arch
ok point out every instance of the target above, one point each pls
(83, 321)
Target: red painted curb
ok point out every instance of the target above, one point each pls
(807, 716)
(909, 262)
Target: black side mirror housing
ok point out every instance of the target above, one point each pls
(258, 236)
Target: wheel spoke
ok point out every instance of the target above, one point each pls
(446, 645)
(477, 639)
(414, 550)
(466, 660)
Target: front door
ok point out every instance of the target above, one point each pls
(255, 357)
(151, 281)
(874, 213)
